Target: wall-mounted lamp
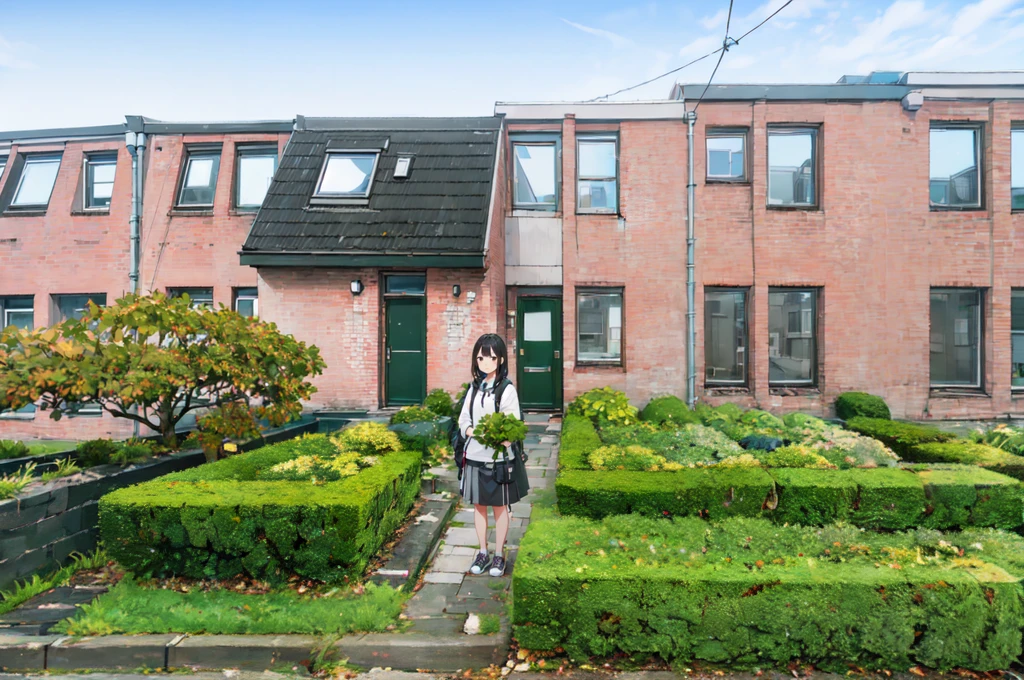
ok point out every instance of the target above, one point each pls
(356, 287)
(456, 290)
(470, 296)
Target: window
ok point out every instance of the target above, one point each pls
(347, 175)
(725, 336)
(17, 311)
(76, 306)
(727, 155)
(597, 170)
(954, 179)
(199, 180)
(199, 297)
(1017, 339)
(256, 166)
(3, 165)
(792, 163)
(99, 180)
(599, 327)
(247, 302)
(792, 336)
(535, 175)
(36, 182)
(405, 284)
(1016, 169)
(955, 337)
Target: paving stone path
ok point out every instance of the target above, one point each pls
(449, 591)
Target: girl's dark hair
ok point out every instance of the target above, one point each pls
(494, 346)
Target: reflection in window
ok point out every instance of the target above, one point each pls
(726, 156)
(599, 327)
(247, 302)
(18, 312)
(534, 175)
(347, 175)
(199, 298)
(1017, 169)
(955, 335)
(99, 180)
(77, 306)
(597, 187)
(37, 180)
(791, 167)
(1017, 339)
(255, 172)
(792, 341)
(200, 181)
(725, 336)
(953, 178)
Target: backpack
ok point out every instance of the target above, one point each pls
(458, 440)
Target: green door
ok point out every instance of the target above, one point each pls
(405, 351)
(539, 360)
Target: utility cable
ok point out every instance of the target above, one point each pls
(721, 54)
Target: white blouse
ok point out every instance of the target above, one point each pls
(483, 404)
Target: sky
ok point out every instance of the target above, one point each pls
(69, 63)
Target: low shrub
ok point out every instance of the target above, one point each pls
(65, 468)
(95, 452)
(637, 458)
(13, 484)
(319, 469)
(854, 404)
(1009, 439)
(368, 439)
(604, 406)
(961, 451)
(579, 438)
(748, 592)
(761, 420)
(793, 456)
(413, 414)
(846, 449)
(670, 409)
(222, 519)
(12, 449)
(899, 436)
(802, 421)
(688, 445)
(440, 403)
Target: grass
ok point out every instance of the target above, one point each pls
(26, 590)
(131, 608)
(489, 624)
(38, 448)
(65, 468)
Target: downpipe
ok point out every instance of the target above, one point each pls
(691, 284)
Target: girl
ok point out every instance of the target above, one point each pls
(490, 377)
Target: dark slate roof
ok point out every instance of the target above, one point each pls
(441, 208)
(831, 92)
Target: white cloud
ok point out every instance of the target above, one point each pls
(713, 22)
(616, 39)
(799, 9)
(961, 36)
(10, 55)
(877, 36)
(700, 46)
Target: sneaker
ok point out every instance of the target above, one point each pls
(498, 566)
(480, 563)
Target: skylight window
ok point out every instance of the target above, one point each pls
(37, 180)
(347, 175)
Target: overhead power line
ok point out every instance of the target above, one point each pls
(725, 48)
(698, 59)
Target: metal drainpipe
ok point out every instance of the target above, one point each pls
(136, 143)
(691, 284)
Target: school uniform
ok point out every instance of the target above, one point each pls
(478, 485)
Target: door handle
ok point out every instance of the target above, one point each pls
(558, 354)
(387, 353)
(536, 369)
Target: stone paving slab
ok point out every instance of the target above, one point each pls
(418, 651)
(247, 652)
(109, 651)
(484, 587)
(461, 550)
(475, 605)
(24, 653)
(439, 625)
(432, 599)
(452, 563)
(463, 536)
(443, 577)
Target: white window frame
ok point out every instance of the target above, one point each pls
(30, 160)
(196, 154)
(597, 139)
(255, 302)
(1016, 148)
(176, 292)
(98, 158)
(252, 151)
(725, 133)
(20, 310)
(319, 193)
(541, 207)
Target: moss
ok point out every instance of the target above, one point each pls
(970, 453)
(899, 436)
(888, 498)
(853, 404)
(670, 410)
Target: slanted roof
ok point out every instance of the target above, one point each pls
(439, 214)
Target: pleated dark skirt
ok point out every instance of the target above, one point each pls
(478, 486)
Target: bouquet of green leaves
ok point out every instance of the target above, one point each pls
(494, 429)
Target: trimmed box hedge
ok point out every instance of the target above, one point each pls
(936, 496)
(969, 453)
(219, 520)
(748, 592)
(852, 404)
(899, 436)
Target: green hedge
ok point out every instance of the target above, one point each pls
(961, 451)
(853, 404)
(579, 438)
(668, 409)
(219, 520)
(748, 592)
(899, 436)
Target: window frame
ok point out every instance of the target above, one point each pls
(1016, 129)
(56, 300)
(237, 295)
(601, 290)
(250, 150)
(5, 309)
(3, 167)
(980, 364)
(979, 159)
(792, 129)
(1015, 292)
(177, 291)
(538, 139)
(346, 198)
(88, 161)
(745, 382)
(814, 333)
(192, 153)
(589, 138)
(29, 159)
(727, 132)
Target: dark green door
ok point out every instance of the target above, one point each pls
(405, 351)
(539, 360)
